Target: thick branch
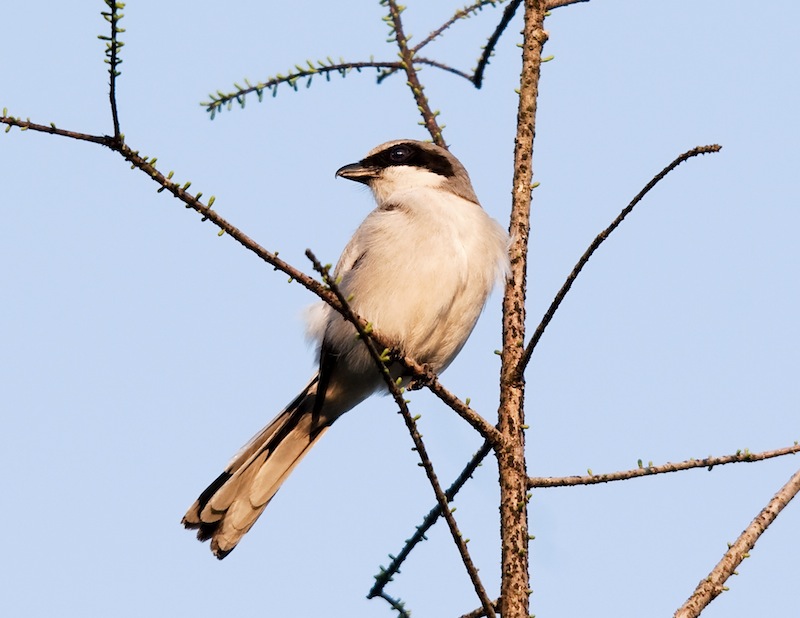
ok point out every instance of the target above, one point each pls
(511, 416)
(714, 585)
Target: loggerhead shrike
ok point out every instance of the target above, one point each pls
(419, 268)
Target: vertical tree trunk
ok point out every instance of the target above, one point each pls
(511, 454)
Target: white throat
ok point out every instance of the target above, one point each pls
(396, 182)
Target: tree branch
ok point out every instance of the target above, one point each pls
(221, 100)
(601, 237)
(113, 47)
(488, 50)
(650, 470)
(555, 4)
(480, 612)
(444, 67)
(25, 125)
(713, 585)
(467, 11)
(396, 604)
(386, 575)
(224, 100)
(514, 593)
(425, 377)
(407, 61)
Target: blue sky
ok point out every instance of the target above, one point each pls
(140, 350)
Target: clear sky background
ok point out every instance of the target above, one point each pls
(140, 350)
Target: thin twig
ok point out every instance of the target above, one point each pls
(556, 4)
(142, 163)
(488, 50)
(219, 100)
(467, 11)
(427, 61)
(397, 605)
(25, 125)
(380, 360)
(191, 201)
(424, 376)
(712, 586)
(460, 14)
(650, 470)
(444, 67)
(601, 237)
(113, 47)
(386, 575)
(480, 612)
(407, 60)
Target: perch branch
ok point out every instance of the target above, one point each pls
(381, 360)
(416, 370)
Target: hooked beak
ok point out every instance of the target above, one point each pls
(358, 172)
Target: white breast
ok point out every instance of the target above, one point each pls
(419, 268)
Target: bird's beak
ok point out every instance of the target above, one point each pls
(358, 172)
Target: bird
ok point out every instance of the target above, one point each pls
(419, 269)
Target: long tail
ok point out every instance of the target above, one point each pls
(229, 507)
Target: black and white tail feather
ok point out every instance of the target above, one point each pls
(419, 268)
(229, 507)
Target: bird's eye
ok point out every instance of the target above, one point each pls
(400, 154)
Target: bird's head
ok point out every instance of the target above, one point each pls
(409, 164)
